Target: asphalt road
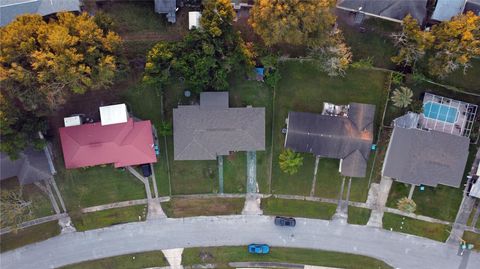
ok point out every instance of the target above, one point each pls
(399, 250)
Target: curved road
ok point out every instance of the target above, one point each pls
(396, 249)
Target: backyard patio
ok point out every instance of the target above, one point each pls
(447, 115)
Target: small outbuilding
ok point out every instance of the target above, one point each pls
(194, 19)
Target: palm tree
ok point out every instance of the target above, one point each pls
(290, 161)
(406, 205)
(402, 97)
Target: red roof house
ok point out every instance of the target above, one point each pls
(122, 144)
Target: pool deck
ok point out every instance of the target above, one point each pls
(462, 126)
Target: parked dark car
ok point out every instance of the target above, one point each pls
(146, 170)
(284, 221)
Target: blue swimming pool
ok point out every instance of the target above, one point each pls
(440, 112)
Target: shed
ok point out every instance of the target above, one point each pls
(194, 19)
(72, 121)
(113, 114)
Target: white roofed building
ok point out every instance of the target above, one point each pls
(113, 114)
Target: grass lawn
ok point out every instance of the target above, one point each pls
(430, 230)
(358, 215)
(136, 17)
(381, 151)
(469, 81)
(235, 172)
(108, 217)
(221, 256)
(29, 235)
(40, 206)
(186, 207)
(472, 238)
(375, 42)
(145, 103)
(129, 261)
(303, 88)
(85, 187)
(298, 208)
(248, 92)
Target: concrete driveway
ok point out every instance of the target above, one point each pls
(399, 250)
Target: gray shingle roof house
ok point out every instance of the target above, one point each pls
(393, 10)
(446, 9)
(31, 166)
(348, 138)
(416, 156)
(473, 5)
(167, 7)
(202, 132)
(10, 9)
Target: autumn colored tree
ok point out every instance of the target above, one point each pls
(456, 42)
(334, 56)
(14, 208)
(42, 63)
(412, 42)
(217, 17)
(448, 46)
(295, 22)
(290, 161)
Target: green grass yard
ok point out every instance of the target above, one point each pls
(105, 218)
(40, 206)
(221, 256)
(187, 207)
(374, 43)
(129, 261)
(430, 230)
(358, 215)
(29, 235)
(298, 208)
(136, 17)
(303, 88)
(235, 172)
(85, 187)
(472, 238)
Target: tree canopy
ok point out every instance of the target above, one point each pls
(205, 56)
(290, 161)
(42, 63)
(295, 22)
(448, 46)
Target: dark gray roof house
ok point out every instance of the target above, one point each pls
(202, 132)
(393, 10)
(168, 7)
(10, 9)
(417, 156)
(346, 138)
(31, 166)
(473, 5)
